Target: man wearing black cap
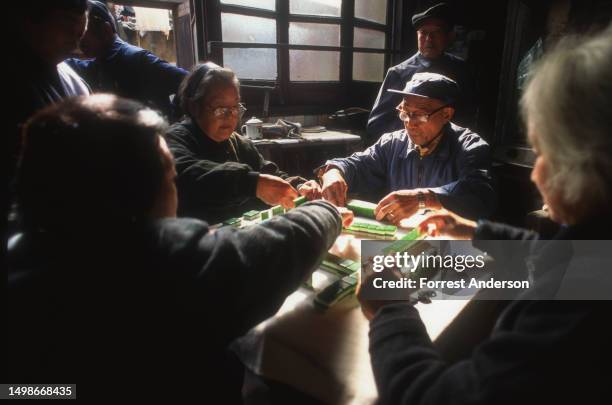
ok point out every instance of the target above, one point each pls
(430, 164)
(123, 69)
(434, 28)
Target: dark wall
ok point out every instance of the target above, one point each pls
(484, 26)
(528, 20)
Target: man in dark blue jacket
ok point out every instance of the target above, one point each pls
(434, 28)
(123, 69)
(431, 163)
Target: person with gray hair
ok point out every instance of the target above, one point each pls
(220, 173)
(540, 351)
(570, 128)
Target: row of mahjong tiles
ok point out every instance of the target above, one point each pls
(359, 208)
(347, 270)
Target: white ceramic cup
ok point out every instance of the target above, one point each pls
(253, 128)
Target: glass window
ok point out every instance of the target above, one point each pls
(244, 28)
(369, 67)
(314, 34)
(371, 10)
(251, 63)
(365, 38)
(265, 4)
(314, 65)
(315, 7)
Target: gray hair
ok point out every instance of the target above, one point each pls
(567, 106)
(201, 81)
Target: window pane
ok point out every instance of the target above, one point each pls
(251, 63)
(315, 7)
(314, 34)
(244, 28)
(369, 67)
(314, 65)
(365, 38)
(372, 10)
(267, 4)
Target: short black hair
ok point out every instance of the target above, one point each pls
(90, 161)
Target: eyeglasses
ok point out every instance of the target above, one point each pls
(418, 117)
(431, 34)
(219, 112)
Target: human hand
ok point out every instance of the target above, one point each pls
(446, 223)
(334, 187)
(311, 190)
(275, 191)
(365, 289)
(402, 204)
(347, 216)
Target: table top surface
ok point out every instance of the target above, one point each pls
(325, 353)
(315, 137)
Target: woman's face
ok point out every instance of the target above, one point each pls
(540, 176)
(219, 128)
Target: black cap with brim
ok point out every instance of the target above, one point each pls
(431, 85)
(97, 9)
(440, 11)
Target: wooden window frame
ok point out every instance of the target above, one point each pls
(310, 96)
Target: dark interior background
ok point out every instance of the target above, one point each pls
(498, 35)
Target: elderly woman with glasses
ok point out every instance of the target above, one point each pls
(430, 164)
(220, 174)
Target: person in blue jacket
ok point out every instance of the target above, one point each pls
(430, 164)
(124, 69)
(434, 28)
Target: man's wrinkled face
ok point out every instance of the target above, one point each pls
(98, 38)
(433, 38)
(56, 36)
(420, 132)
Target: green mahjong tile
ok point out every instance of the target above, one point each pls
(362, 208)
(251, 215)
(299, 201)
(277, 210)
(335, 292)
(350, 280)
(351, 265)
(404, 243)
(335, 268)
(233, 221)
